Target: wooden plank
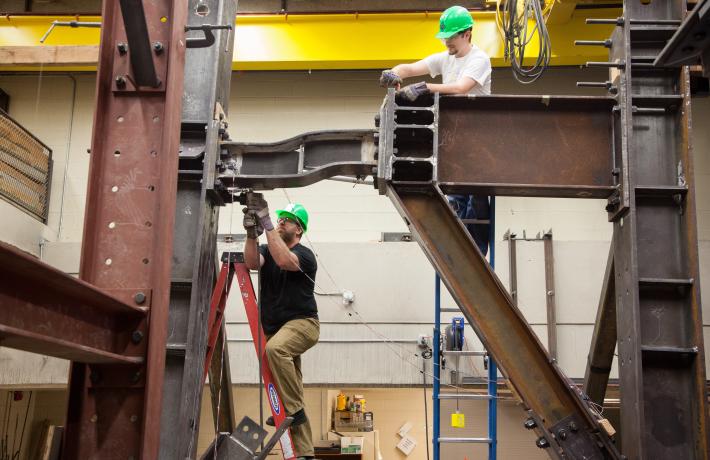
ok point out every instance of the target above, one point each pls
(49, 55)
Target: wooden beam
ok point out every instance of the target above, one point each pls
(49, 55)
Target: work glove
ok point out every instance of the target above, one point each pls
(389, 79)
(412, 92)
(252, 224)
(257, 203)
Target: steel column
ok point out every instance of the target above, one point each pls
(114, 410)
(659, 327)
(206, 101)
(550, 295)
(501, 327)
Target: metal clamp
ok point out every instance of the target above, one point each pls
(208, 39)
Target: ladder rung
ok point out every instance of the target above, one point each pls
(670, 282)
(467, 440)
(476, 221)
(463, 396)
(450, 310)
(669, 350)
(660, 190)
(465, 352)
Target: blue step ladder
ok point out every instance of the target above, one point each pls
(492, 439)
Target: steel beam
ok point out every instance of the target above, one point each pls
(550, 295)
(114, 410)
(564, 421)
(46, 311)
(690, 44)
(601, 351)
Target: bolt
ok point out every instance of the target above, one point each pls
(562, 434)
(94, 418)
(158, 47)
(377, 120)
(135, 378)
(573, 427)
(139, 298)
(134, 418)
(542, 443)
(122, 48)
(529, 424)
(136, 337)
(121, 82)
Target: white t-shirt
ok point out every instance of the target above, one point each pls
(475, 65)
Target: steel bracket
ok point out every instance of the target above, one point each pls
(243, 443)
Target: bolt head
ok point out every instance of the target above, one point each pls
(121, 81)
(562, 434)
(139, 298)
(573, 426)
(122, 47)
(542, 443)
(94, 418)
(529, 424)
(136, 337)
(158, 47)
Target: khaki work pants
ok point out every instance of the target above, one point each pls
(283, 353)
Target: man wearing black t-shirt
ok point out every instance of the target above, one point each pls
(289, 314)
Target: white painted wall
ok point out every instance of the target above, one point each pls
(393, 282)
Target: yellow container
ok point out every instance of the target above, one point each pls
(458, 420)
(341, 402)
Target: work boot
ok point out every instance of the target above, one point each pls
(299, 418)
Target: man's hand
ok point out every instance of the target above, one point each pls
(252, 225)
(412, 92)
(257, 203)
(390, 79)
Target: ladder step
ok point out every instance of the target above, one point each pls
(667, 282)
(476, 221)
(465, 352)
(450, 310)
(466, 440)
(652, 349)
(646, 191)
(463, 396)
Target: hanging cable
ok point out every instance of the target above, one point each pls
(514, 20)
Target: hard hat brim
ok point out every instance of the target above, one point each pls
(446, 35)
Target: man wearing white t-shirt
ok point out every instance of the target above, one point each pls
(465, 69)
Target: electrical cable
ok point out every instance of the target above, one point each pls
(513, 21)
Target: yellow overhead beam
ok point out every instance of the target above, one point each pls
(328, 41)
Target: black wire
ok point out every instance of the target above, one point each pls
(517, 37)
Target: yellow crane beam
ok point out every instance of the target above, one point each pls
(307, 41)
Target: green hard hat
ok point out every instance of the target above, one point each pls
(454, 20)
(295, 211)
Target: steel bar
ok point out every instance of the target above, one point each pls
(500, 325)
(601, 351)
(47, 311)
(570, 154)
(207, 80)
(299, 161)
(691, 42)
(550, 295)
(114, 410)
(659, 324)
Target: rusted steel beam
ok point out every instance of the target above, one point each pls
(566, 423)
(114, 411)
(526, 145)
(601, 351)
(46, 311)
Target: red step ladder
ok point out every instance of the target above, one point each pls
(233, 264)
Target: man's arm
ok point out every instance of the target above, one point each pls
(252, 258)
(462, 86)
(415, 69)
(284, 258)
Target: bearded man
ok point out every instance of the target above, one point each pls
(289, 314)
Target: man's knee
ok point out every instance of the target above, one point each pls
(274, 351)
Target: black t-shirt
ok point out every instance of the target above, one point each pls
(287, 295)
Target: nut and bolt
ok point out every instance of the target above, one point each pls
(562, 434)
(139, 298)
(94, 418)
(136, 337)
(573, 427)
(529, 424)
(120, 82)
(542, 443)
(122, 48)
(158, 47)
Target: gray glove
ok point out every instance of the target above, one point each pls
(412, 92)
(389, 79)
(257, 203)
(252, 225)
